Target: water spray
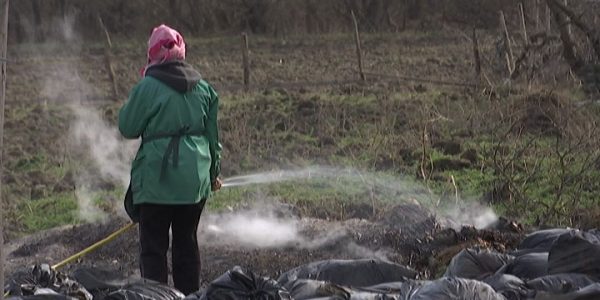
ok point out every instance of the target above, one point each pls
(277, 176)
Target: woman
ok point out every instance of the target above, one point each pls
(178, 162)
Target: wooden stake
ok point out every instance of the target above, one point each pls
(537, 15)
(523, 25)
(455, 189)
(509, 53)
(245, 60)
(105, 32)
(108, 60)
(548, 20)
(358, 50)
(3, 51)
(569, 20)
(404, 14)
(476, 55)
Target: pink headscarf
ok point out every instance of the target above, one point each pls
(165, 44)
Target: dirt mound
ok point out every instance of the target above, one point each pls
(410, 220)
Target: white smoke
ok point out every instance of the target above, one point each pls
(87, 210)
(267, 226)
(66, 27)
(470, 213)
(359, 251)
(89, 132)
(253, 230)
(111, 154)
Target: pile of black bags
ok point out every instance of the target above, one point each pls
(41, 282)
(561, 264)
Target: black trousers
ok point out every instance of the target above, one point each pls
(155, 221)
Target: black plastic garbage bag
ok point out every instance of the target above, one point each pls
(540, 241)
(560, 283)
(590, 292)
(42, 279)
(509, 286)
(19, 280)
(397, 290)
(146, 290)
(354, 273)
(242, 284)
(476, 264)
(309, 289)
(304, 289)
(576, 252)
(98, 282)
(26, 281)
(529, 266)
(456, 289)
(42, 297)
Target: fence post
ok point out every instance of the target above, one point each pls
(245, 62)
(476, 56)
(537, 15)
(548, 20)
(569, 23)
(522, 11)
(509, 53)
(3, 51)
(358, 50)
(108, 60)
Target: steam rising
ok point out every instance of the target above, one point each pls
(87, 210)
(89, 132)
(111, 154)
(471, 213)
(273, 226)
(254, 229)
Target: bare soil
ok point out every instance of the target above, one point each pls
(407, 235)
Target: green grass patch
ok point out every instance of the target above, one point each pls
(472, 182)
(49, 212)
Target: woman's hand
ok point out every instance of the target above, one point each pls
(217, 185)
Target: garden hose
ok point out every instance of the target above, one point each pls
(93, 247)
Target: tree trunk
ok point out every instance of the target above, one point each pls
(309, 12)
(194, 10)
(570, 17)
(404, 14)
(568, 45)
(62, 5)
(3, 45)
(37, 21)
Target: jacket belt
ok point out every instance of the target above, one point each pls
(173, 146)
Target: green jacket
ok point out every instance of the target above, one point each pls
(156, 108)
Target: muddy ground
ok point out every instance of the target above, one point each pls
(408, 235)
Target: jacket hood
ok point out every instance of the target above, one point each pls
(178, 75)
